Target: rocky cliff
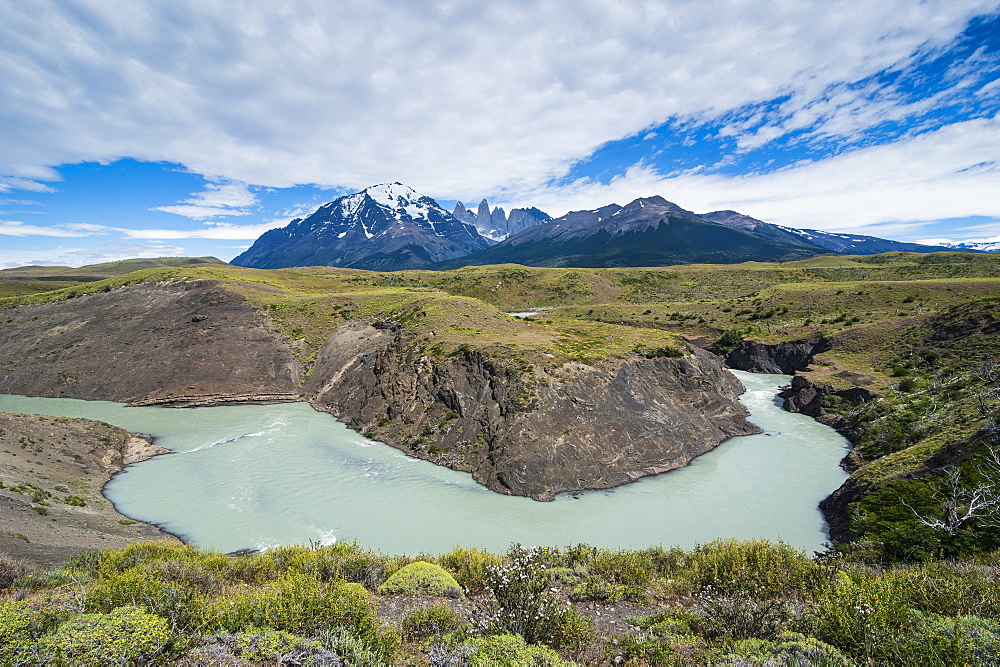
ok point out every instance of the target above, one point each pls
(525, 425)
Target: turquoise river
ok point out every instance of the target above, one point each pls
(255, 476)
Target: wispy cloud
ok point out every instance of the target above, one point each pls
(219, 199)
(17, 228)
(218, 231)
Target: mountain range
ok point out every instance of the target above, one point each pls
(391, 227)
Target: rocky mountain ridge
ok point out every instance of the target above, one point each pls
(649, 231)
(496, 225)
(391, 227)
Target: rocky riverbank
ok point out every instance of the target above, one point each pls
(52, 471)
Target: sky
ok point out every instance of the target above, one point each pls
(190, 127)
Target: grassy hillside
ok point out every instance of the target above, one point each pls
(31, 279)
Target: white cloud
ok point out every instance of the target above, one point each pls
(211, 230)
(8, 183)
(16, 228)
(454, 99)
(949, 173)
(218, 199)
(219, 231)
(80, 256)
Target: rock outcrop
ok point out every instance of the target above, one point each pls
(528, 426)
(786, 357)
(52, 470)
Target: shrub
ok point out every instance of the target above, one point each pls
(469, 567)
(595, 588)
(561, 576)
(511, 650)
(294, 603)
(354, 650)
(10, 570)
(437, 619)
(632, 568)
(275, 646)
(343, 561)
(790, 649)
(126, 635)
(520, 604)
(421, 578)
(144, 587)
(741, 614)
(759, 565)
(21, 623)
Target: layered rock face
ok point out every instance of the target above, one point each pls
(523, 426)
(147, 343)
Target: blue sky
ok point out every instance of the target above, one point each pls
(189, 128)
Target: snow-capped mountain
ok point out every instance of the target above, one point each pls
(859, 244)
(496, 225)
(386, 227)
(980, 245)
(851, 244)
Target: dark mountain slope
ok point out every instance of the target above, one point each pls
(851, 244)
(648, 232)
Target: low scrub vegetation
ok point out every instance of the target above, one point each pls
(725, 602)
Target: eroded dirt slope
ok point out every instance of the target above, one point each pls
(148, 342)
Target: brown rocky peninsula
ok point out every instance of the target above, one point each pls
(52, 470)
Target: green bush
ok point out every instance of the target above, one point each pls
(521, 605)
(274, 646)
(143, 586)
(758, 565)
(294, 603)
(381, 649)
(513, 651)
(595, 588)
(422, 578)
(469, 567)
(789, 649)
(342, 561)
(436, 619)
(126, 635)
(633, 568)
(21, 624)
(738, 615)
